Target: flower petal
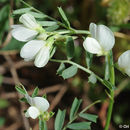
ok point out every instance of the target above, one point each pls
(93, 30)
(92, 46)
(41, 103)
(105, 37)
(16, 26)
(29, 21)
(32, 112)
(23, 34)
(42, 57)
(124, 62)
(30, 49)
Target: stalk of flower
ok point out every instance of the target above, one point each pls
(101, 41)
(28, 30)
(39, 107)
(124, 62)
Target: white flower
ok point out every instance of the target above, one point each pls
(124, 62)
(29, 21)
(28, 30)
(37, 50)
(39, 105)
(102, 40)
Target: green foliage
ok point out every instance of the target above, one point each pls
(79, 126)
(38, 15)
(52, 28)
(108, 84)
(89, 117)
(89, 58)
(13, 45)
(23, 100)
(61, 68)
(59, 121)
(21, 11)
(118, 11)
(4, 13)
(92, 78)
(70, 47)
(47, 23)
(74, 108)
(63, 16)
(35, 92)
(60, 117)
(20, 90)
(69, 72)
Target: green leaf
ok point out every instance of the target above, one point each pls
(70, 47)
(23, 100)
(52, 28)
(38, 15)
(2, 121)
(3, 103)
(69, 72)
(80, 126)
(13, 45)
(74, 108)
(52, 52)
(47, 23)
(92, 78)
(35, 92)
(63, 16)
(90, 117)
(89, 58)
(20, 90)
(108, 84)
(4, 12)
(61, 68)
(59, 121)
(21, 11)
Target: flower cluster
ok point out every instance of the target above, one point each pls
(39, 107)
(40, 43)
(37, 47)
(102, 41)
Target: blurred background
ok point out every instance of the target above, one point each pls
(60, 93)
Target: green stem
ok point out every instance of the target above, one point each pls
(80, 67)
(112, 80)
(71, 30)
(85, 109)
(42, 124)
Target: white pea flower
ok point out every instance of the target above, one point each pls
(39, 105)
(102, 40)
(37, 50)
(27, 30)
(124, 62)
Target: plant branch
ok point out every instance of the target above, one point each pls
(71, 30)
(76, 116)
(112, 80)
(80, 67)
